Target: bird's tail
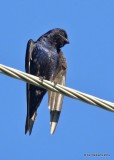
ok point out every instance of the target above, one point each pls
(29, 123)
(34, 98)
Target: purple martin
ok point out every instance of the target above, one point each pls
(45, 59)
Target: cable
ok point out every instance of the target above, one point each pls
(57, 88)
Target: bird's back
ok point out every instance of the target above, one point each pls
(44, 60)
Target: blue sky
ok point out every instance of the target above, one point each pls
(82, 129)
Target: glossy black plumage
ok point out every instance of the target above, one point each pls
(45, 59)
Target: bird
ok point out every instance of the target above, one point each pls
(45, 59)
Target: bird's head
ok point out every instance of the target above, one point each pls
(58, 37)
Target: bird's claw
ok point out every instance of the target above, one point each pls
(41, 78)
(55, 83)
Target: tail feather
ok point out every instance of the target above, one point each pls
(29, 123)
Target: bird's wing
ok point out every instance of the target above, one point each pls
(28, 59)
(55, 100)
(36, 63)
(30, 89)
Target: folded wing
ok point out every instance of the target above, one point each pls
(34, 94)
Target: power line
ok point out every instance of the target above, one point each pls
(57, 88)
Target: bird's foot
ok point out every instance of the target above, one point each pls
(41, 78)
(55, 83)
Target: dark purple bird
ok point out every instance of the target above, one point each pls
(45, 59)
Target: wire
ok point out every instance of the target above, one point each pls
(57, 88)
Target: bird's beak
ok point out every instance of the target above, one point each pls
(65, 39)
